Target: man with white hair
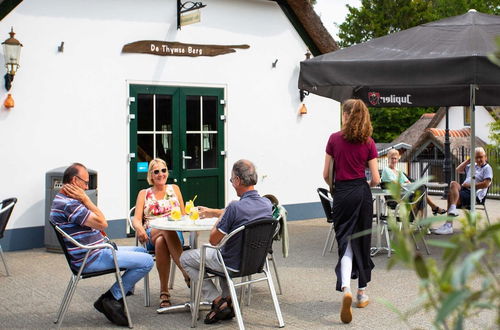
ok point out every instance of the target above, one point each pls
(459, 195)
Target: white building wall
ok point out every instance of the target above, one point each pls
(72, 106)
(456, 121)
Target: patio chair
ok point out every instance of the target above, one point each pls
(327, 202)
(414, 209)
(78, 274)
(481, 205)
(7, 205)
(257, 239)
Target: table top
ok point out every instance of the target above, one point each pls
(185, 224)
(436, 185)
(377, 191)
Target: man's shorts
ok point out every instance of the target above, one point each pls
(465, 198)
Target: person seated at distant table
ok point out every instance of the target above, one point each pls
(459, 195)
(392, 174)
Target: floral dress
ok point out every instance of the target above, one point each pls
(154, 208)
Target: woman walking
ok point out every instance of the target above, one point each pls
(352, 150)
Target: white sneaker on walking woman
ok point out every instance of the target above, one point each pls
(346, 309)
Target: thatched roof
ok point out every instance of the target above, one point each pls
(312, 25)
(413, 133)
(458, 139)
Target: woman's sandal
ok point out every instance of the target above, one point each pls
(438, 210)
(165, 302)
(218, 312)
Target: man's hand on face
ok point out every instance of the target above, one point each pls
(74, 191)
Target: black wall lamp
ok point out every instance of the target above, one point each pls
(185, 7)
(12, 53)
(303, 93)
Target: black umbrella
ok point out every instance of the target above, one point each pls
(442, 63)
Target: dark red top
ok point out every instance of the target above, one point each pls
(351, 159)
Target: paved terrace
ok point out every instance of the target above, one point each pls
(30, 297)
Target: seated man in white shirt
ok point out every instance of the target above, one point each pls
(459, 195)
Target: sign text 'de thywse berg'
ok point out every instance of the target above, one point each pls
(166, 48)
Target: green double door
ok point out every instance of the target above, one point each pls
(185, 127)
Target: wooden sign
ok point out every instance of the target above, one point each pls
(190, 18)
(165, 48)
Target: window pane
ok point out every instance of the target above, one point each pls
(144, 147)
(163, 113)
(209, 150)
(193, 150)
(193, 113)
(164, 148)
(210, 113)
(144, 112)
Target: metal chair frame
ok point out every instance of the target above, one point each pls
(147, 291)
(229, 277)
(414, 212)
(483, 204)
(78, 275)
(8, 210)
(325, 197)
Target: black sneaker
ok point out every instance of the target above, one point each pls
(98, 304)
(115, 311)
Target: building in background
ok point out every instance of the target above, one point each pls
(114, 84)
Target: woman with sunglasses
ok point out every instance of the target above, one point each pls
(158, 201)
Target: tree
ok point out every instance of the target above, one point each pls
(377, 18)
(389, 123)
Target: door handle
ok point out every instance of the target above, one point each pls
(184, 157)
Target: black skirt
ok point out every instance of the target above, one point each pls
(353, 213)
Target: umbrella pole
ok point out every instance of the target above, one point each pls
(473, 88)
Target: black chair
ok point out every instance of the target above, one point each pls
(256, 240)
(7, 205)
(78, 274)
(481, 205)
(327, 203)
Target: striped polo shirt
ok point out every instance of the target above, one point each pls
(70, 215)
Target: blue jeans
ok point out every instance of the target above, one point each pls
(134, 258)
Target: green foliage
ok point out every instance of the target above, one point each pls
(389, 123)
(377, 18)
(462, 282)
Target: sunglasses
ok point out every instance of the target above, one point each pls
(163, 170)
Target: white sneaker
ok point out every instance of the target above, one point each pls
(453, 213)
(346, 309)
(362, 300)
(445, 229)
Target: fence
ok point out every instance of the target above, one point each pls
(432, 164)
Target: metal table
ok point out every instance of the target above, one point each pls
(185, 225)
(379, 193)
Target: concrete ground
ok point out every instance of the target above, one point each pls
(30, 297)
